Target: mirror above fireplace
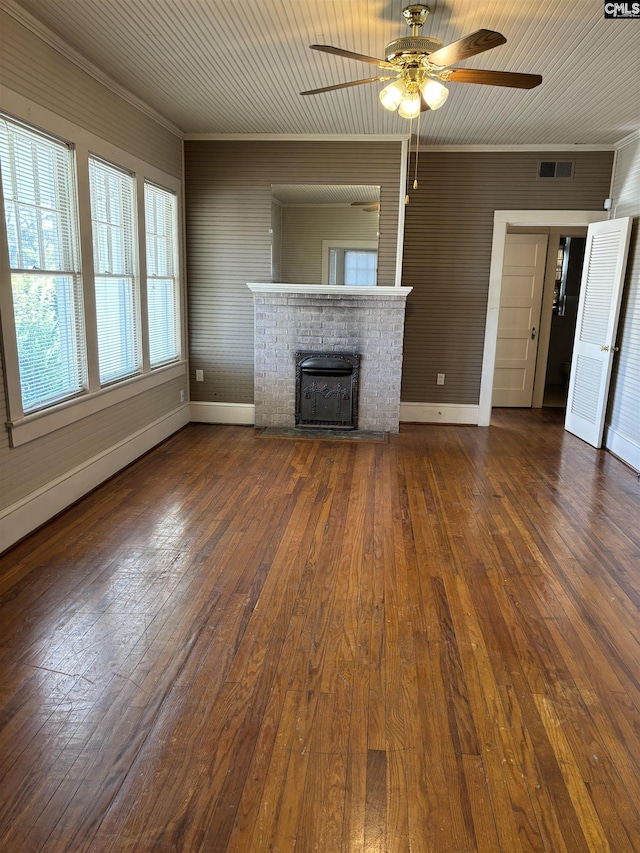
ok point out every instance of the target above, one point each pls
(324, 234)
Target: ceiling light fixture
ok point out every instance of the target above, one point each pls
(420, 65)
(407, 92)
(418, 86)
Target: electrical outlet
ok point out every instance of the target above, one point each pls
(440, 379)
(182, 395)
(199, 375)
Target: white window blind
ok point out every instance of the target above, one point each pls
(116, 271)
(42, 233)
(162, 286)
(353, 266)
(360, 267)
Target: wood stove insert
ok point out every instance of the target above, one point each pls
(327, 390)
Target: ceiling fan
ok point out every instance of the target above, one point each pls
(367, 206)
(420, 65)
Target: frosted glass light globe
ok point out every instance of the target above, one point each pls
(410, 106)
(391, 96)
(434, 93)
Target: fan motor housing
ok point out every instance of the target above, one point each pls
(410, 49)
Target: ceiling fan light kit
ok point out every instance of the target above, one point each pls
(420, 65)
(410, 92)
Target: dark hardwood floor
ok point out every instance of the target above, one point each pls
(257, 644)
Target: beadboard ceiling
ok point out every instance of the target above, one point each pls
(231, 67)
(312, 194)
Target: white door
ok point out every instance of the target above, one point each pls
(605, 261)
(519, 318)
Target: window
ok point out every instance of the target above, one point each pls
(113, 205)
(360, 267)
(353, 266)
(73, 316)
(162, 291)
(46, 288)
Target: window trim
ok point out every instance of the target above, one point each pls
(8, 331)
(27, 427)
(176, 278)
(63, 414)
(132, 275)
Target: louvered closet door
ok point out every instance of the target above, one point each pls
(598, 310)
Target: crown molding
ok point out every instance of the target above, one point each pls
(363, 137)
(489, 149)
(628, 140)
(295, 137)
(47, 35)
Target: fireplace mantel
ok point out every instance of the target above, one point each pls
(328, 318)
(337, 290)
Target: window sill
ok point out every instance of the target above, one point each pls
(41, 423)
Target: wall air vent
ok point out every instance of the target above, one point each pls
(553, 169)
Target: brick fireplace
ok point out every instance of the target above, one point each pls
(331, 319)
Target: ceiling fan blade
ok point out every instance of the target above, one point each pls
(349, 54)
(495, 78)
(465, 47)
(365, 204)
(344, 85)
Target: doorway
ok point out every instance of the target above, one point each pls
(569, 260)
(551, 321)
(503, 221)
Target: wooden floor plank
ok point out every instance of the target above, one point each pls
(235, 645)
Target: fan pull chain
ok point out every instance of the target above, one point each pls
(406, 198)
(415, 174)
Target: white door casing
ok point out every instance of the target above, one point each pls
(502, 220)
(519, 319)
(597, 323)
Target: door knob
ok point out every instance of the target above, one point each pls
(533, 333)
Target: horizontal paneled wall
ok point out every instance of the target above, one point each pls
(623, 418)
(447, 254)
(37, 71)
(228, 211)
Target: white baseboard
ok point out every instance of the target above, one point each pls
(624, 448)
(223, 413)
(244, 413)
(438, 413)
(29, 513)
